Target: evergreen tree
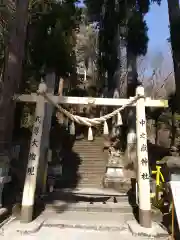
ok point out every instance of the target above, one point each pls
(114, 16)
(174, 20)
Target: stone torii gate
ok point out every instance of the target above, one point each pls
(42, 123)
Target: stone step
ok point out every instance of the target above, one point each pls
(106, 221)
(86, 152)
(92, 168)
(88, 192)
(90, 148)
(96, 139)
(78, 198)
(90, 155)
(83, 173)
(82, 149)
(90, 185)
(88, 159)
(89, 177)
(123, 207)
(88, 200)
(96, 146)
(98, 155)
(88, 143)
(92, 178)
(92, 164)
(93, 171)
(91, 160)
(91, 145)
(87, 181)
(109, 222)
(94, 151)
(90, 172)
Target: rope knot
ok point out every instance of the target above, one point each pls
(91, 101)
(42, 88)
(140, 95)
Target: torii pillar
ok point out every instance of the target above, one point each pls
(37, 156)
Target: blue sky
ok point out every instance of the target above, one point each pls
(158, 24)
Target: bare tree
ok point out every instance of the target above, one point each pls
(160, 84)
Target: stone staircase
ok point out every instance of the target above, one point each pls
(89, 194)
(87, 165)
(93, 162)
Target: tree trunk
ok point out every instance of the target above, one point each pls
(131, 111)
(174, 15)
(12, 74)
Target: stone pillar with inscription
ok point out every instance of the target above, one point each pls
(143, 164)
(42, 173)
(33, 162)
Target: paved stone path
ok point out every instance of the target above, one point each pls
(72, 226)
(73, 234)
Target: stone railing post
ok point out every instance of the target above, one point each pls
(143, 164)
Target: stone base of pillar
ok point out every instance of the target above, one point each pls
(145, 218)
(27, 214)
(4, 213)
(155, 231)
